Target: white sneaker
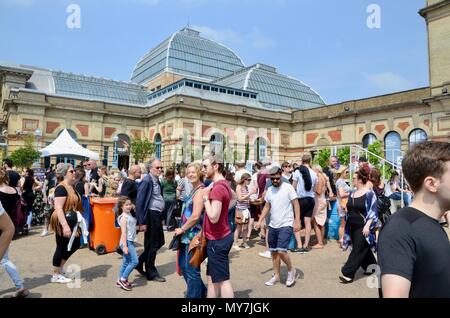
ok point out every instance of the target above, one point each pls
(44, 233)
(292, 277)
(265, 254)
(237, 248)
(245, 245)
(272, 281)
(60, 279)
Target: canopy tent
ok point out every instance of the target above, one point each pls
(65, 145)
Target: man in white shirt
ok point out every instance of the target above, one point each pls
(305, 182)
(281, 201)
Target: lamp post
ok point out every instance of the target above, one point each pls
(115, 154)
(37, 135)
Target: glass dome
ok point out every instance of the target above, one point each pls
(189, 54)
(276, 91)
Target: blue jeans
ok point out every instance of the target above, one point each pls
(398, 196)
(11, 269)
(195, 286)
(129, 262)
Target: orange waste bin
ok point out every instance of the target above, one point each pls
(105, 237)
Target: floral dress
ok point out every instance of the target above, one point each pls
(188, 208)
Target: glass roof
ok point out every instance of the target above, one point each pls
(274, 90)
(69, 84)
(187, 53)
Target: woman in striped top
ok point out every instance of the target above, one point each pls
(242, 210)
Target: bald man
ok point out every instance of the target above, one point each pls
(129, 186)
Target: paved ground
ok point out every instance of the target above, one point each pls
(318, 271)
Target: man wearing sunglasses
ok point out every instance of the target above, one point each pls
(282, 204)
(149, 208)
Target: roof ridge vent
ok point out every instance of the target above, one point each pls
(190, 31)
(266, 67)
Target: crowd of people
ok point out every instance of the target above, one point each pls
(211, 208)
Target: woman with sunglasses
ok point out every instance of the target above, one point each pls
(287, 172)
(63, 220)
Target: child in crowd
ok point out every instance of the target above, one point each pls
(128, 237)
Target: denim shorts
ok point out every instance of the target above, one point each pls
(218, 261)
(279, 238)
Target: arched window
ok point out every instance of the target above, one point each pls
(260, 148)
(216, 145)
(392, 145)
(71, 133)
(158, 146)
(368, 139)
(417, 136)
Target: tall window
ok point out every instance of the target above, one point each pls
(105, 155)
(368, 139)
(216, 144)
(158, 146)
(260, 148)
(417, 136)
(392, 145)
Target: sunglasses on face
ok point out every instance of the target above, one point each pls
(159, 168)
(275, 179)
(71, 171)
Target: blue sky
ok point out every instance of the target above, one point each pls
(325, 43)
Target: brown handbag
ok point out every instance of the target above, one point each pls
(197, 247)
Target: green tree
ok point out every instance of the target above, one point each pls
(377, 149)
(343, 155)
(142, 148)
(322, 158)
(247, 151)
(25, 156)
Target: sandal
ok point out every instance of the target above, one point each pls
(21, 293)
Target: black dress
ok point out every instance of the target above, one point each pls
(9, 202)
(361, 254)
(28, 195)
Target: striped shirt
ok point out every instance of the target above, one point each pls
(244, 204)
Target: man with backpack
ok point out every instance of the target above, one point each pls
(305, 181)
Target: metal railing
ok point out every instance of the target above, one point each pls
(357, 150)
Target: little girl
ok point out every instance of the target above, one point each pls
(128, 228)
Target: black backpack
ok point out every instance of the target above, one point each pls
(304, 171)
(384, 207)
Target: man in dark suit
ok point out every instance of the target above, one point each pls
(92, 173)
(149, 208)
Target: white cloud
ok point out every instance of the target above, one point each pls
(259, 40)
(228, 36)
(388, 81)
(219, 35)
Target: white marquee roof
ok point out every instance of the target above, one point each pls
(65, 145)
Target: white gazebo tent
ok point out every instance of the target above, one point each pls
(65, 145)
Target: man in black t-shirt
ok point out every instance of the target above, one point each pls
(14, 177)
(414, 250)
(129, 186)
